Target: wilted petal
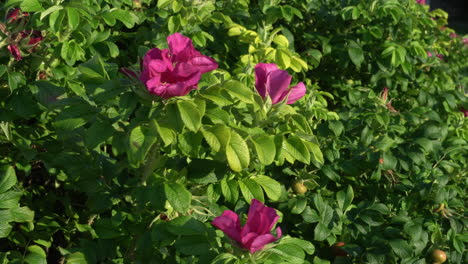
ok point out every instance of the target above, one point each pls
(277, 85)
(204, 63)
(229, 223)
(296, 93)
(15, 51)
(261, 72)
(181, 47)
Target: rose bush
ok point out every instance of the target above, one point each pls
(140, 131)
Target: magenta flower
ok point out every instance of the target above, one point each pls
(256, 232)
(453, 35)
(34, 36)
(465, 41)
(273, 82)
(174, 71)
(15, 51)
(421, 2)
(464, 111)
(15, 15)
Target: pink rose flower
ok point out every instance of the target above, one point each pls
(453, 35)
(15, 51)
(256, 232)
(421, 2)
(273, 82)
(465, 41)
(174, 71)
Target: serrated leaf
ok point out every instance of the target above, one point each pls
(230, 190)
(265, 148)
(295, 148)
(30, 6)
(179, 198)
(237, 152)
(355, 53)
(239, 90)
(7, 178)
(189, 114)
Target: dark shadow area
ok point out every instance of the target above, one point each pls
(457, 10)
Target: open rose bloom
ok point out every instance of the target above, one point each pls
(273, 82)
(421, 2)
(256, 232)
(174, 71)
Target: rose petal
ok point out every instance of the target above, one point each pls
(277, 85)
(260, 241)
(260, 218)
(15, 51)
(261, 72)
(204, 63)
(296, 93)
(229, 223)
(181, 47)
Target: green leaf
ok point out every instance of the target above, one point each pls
(76, 258)
(15, 80)
(425, 143)
(297, 205)
(113, 49)
(163, 3)
(401, 248)
(9, 199)
(186, 226)
(230, 190)
(237, 152)
(307, 246)
(36, 256)
(250, 190)
(178, 197)
(7, 178)
(98, 133)
(217, 136)
(30, 6)
(355, 53)
(73, 17)
(389, 162)
(166, 133)
(239, 90)
(72, 52)
(128, 18)
(288, 253)
(283, 58)
(50, 10)
(271, 187)
(189, 114)
(22, 214)
(141, 140)
(193, 245)
(345, 199)
(296, 149)
(318, 260)
(317, 155)
(265, 148)
(321, 232)
(5, 229)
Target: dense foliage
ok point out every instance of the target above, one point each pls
(99, 166)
